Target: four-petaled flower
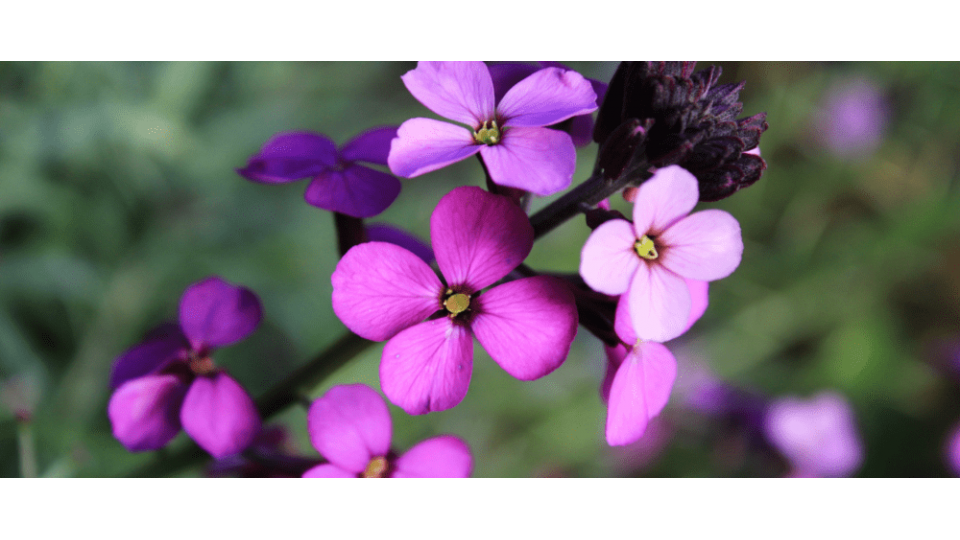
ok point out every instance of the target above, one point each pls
(647, 261)
(350, 426)
(517, 150)
(382, 291)
(339, 183)
(168, 380)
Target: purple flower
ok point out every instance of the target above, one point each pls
(516, 149)
(168, 381)
(339, 184)
(506, 75)
(350, 426)
(639, 377)
(818, 436)
(854, 117)
(648, 260)
(382, 291)
(381, 232)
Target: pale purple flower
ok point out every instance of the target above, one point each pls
(350, 426)
(818, 436)
(639, 377)
(508, 133)
(168, 381)
(507, 74)
(384, 292)
(648, 260)
(340, 183)
(853, 119)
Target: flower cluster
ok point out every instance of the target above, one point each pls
(668, 133)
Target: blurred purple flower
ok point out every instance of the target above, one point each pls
(272, 454)
(818, 436)
(953, 451)
(384, 292)
(509, 134)
(507, 74)
(168, 381)
(339, 183)
(350, 426)
(853, 119)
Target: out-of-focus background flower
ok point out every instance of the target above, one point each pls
(118, 190)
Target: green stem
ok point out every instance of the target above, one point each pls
(28, 455)
(286, 393)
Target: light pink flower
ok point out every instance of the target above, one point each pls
(647, 261)
(350, 426)
(516, 149)
(382, 291)
(640, 377)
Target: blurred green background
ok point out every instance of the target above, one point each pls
(118, 190)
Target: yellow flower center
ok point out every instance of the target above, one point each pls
(457, 303)
(645, 248)
(376, 468)
(487, 135)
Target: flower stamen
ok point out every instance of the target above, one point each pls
(646, 248)
(487, 135)
(457, 303)
(376, 468)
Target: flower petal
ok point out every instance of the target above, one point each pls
(539, 160)
(214, 313)
(623, 324)
(427, 367)
(424, 145)
(699, 300)
(219, 415)
(290, 156)
(478, 237)
(328, 470)
(379, 289)
(608, 259)
(145, 412)
(527, 325)
(445, 456)
(381, 232)
(165, 344)
(659, 303)
(372, 146)
(356, 191)
(705, 246)
(460, 91)
(667, 196)
(640, 390)
(349, 426)
(546, 97)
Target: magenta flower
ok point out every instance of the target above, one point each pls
(350, 426)
(516, 149)
(647, 261)
(640, 377)
(382, 291)
(339, 183)
(168, 381)
(818, 436)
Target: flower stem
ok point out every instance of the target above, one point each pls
(350, 232)
(28, 455)
(286, 393)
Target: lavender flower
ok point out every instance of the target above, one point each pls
(384, 292)
(516, 149)
(339, 183)
(853, 120)
(818, 436)
(350, 426)
(169, 381)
